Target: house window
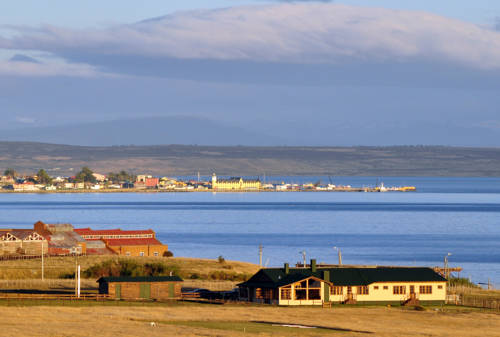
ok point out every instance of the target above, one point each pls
(386, 287)
(375, 287)
(258, 293)
(399, 290)
(336, 290)
(127, 253)
(426, 289)
(363, 290)
(286, 293)
(156, 253)
(141, 254)
(308, 290)
(440, 287)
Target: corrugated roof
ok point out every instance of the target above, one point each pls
(132, 242)
(140, 279)
(276, 277)
(21, 234)
(118, 231)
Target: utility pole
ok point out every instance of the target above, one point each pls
(78, 289)
(340, 255)
(303, 258)
(260, 255)
(43, 267)
(446, 272)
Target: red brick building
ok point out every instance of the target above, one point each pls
(128, 243)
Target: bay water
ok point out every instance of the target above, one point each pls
(460, 216)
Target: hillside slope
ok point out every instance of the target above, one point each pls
(241, 160)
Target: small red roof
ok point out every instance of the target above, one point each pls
(132, 242)
(88, 231)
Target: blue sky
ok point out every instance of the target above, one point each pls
(352, 72)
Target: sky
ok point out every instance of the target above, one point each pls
(352, 72)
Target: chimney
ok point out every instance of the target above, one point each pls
(287, 268)
(326, 275)
(313, 265)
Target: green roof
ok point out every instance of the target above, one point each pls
(343, 276)
(140, 279)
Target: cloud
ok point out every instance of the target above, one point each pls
(306, 34)
(324, 1)
(25, 120)
(20, 67)
(23, 58)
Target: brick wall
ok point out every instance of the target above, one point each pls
(147, 250)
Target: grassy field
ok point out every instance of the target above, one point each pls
(195, 270)
(238, 320)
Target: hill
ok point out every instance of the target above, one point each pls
(244, 160)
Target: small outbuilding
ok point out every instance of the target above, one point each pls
(145, 287)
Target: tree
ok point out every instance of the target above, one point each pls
(43, 177)
(10, 173)
(122, 176)
(85, 176)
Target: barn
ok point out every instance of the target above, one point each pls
(145, 287)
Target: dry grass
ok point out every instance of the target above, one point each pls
(205, 320)
(462, 290)
(57, 267)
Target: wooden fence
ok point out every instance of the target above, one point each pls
(18, 296)
(474, 301)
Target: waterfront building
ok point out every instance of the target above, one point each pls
(344, 284)
(235, 183)
(62, 239)
(128, 243)
(22, 242)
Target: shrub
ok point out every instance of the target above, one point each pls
(221, 259)
(194, 276)
(115, 268)
(168, 253)
(461, 281)
(155, 269)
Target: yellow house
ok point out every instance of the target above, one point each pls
(347, 285)
(235, 184)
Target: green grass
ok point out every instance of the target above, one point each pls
(88, 303)
(257, 328)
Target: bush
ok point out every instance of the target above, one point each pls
(461, 281)
(168, 253)
(126, 267)
(194, 276)
(221, 259)
(155, 269)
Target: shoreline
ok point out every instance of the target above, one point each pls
(85, 191)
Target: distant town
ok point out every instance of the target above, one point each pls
(88, 181)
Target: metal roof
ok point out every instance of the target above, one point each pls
(140, 279)
(341, 276)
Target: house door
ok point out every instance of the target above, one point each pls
(412, 289)
(145, 290)
(118, 291)
(171, 290)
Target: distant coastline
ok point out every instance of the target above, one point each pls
(187, 160)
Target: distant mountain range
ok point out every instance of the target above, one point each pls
(286, 131)
(145, 131)
(252, 161)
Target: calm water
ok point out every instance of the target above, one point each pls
(457, 215)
